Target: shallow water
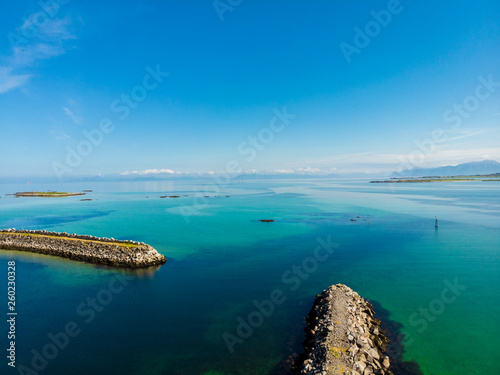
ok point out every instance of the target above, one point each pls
(222, 262)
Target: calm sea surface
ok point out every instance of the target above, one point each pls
(439, 287)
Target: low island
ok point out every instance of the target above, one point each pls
(107, 251)
(46, 194)
(461, 178)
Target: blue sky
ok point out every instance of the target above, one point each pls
(420, 70)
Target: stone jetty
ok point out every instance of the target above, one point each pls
(343, 337)
(45, 194)
(108, 251)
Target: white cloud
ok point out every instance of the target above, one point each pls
(148, 172)
(445, 157)
(306, 170)
(453, 135)
(10, 81)
(367, 162)
(48, 41)
(373, 162)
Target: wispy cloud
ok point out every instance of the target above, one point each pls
(73, 116)
(49, 40)
(10, 81)
(170, 172)
(375, 162)
(454, 135)
(354, 163)
(58, 130)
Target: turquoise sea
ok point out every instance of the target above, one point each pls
(438, 286)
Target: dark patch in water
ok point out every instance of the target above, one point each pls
(45, 222)
(295, 345)
(299, 360)
(396, 347)
(316, 218)
(335, 214)
(290, 195)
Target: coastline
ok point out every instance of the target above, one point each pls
(107, 251)
(48, 194)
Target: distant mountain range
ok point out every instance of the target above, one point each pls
(474, 168)
(466, 169)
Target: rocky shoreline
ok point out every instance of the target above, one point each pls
(107, 251)
(48, 194)
(343, 337)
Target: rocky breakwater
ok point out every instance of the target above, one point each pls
(343, 337)
(108, 251)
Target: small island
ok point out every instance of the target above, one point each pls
(46, 194)
(107, 251)
(419, 180)
(395, 180)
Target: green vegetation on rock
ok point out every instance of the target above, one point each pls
(46, 194)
